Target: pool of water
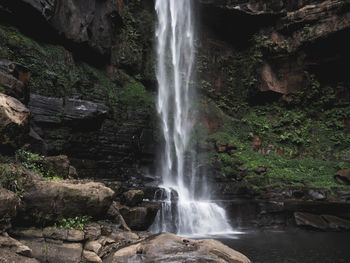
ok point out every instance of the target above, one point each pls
(292, 246)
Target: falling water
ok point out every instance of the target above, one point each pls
(185, 209)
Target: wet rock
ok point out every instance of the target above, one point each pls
(91, 257)
(139, 218)
(133, 197)
(14, 117)
(343, 176)
(11, 86)
(168, 247)
(50, 200)
(74, 235)
(310, 220)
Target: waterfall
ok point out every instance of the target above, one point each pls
(185, 208)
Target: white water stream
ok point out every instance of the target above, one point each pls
(185, 206)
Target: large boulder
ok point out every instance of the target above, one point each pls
(14, 118)
(167, 247)
(59, 166)
(51, 200)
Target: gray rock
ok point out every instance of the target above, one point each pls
(310, 220)
(93, 246)
(64, 253)
(92, 231)
(9, 203)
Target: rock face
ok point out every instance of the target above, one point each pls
(168, 247)
(50, 200)
(321, 222)
(93, 22)
(57, 110)
(14, 117)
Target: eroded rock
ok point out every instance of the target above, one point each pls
(133, 197)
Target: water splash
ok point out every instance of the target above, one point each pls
(184, 209)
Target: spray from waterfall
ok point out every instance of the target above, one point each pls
(185, 209)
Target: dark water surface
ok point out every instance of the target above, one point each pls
(292, 246)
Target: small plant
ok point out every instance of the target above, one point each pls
(75, 223)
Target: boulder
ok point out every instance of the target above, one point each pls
(133, 197)
(337, 223)
(139, 218)
(14, 118)
(343, 176)
(51, 200)
(63, 252)
(63, 234)
(167, 247)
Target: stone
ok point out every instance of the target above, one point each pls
(59, 166)
(343, 176)
(133, 197)
(92, 231)
(93, 246)
(10, 203)
(55, 233)
(91, 257)
(167, 247)
(15, 245)
(50, 200)
(12, 86)
(64, 252)
(337, 223)
(9, 256)
(310, 220)
(75, 235)
(14, 118)
(58, 110)
(139, 218)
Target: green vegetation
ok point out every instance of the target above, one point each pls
(12, 178)
(75, 223)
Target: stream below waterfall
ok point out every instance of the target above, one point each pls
(292, 246)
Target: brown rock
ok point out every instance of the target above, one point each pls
(91, 257)
(50, 200)
(337, 223)
(93, 246)
(59, 166)
(139, 218)
(9, 203)
(12, 86)
(166, 247)
(342, 176)
(14, 117)
(63, 252)
(92, 231)
(133, 197)
(310, 220)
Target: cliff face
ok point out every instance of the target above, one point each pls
(273, 83)
(90, 80)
